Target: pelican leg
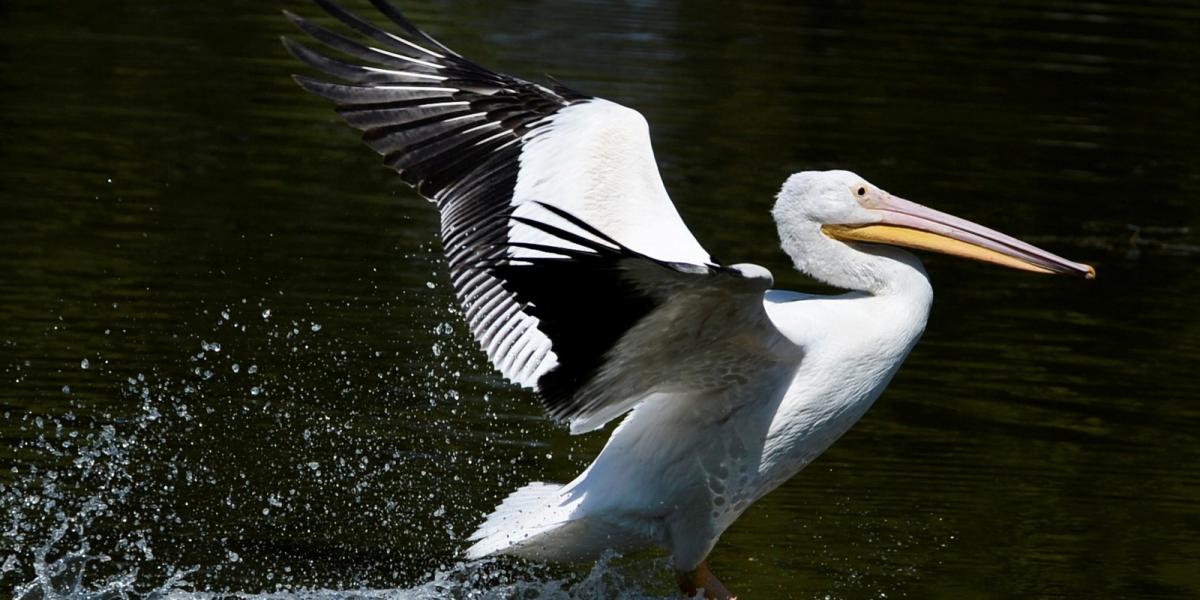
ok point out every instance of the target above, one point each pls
(700, 578)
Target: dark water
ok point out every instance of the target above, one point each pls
(278, 394)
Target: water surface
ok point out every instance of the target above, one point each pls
(230, 359)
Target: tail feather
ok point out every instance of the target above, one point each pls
(527, 513)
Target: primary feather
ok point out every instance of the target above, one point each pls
(523, 172)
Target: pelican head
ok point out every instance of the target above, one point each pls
(817, 207)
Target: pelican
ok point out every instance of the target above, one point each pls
(580, 281)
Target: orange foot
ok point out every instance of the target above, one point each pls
(700, 578)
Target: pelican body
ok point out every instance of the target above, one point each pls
(580, 281)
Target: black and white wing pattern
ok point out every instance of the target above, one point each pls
(626, 325)
(516, 168)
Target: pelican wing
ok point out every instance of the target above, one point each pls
(626, 325)
(494, 151)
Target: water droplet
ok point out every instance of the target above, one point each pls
(254, 391)
(252, 370)
(83, 364)
(236, 367)
(66, 389)
(316, 326)
(266, 313)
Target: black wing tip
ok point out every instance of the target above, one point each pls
(397, 16)
(295, 18)
(336, 40)
(295, 48)
(308, 56)
(568, 93)
(330, 66)
(308, 27)
(318, 87)
(309, 84)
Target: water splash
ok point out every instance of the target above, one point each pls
(65, 579)
(481, 580)
(194, 479)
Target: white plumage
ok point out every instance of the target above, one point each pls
(580, 280)
(594, 160)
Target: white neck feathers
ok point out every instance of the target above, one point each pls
(878, 270)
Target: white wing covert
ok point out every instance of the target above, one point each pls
(526, 177)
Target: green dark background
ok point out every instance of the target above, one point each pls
(279, 394)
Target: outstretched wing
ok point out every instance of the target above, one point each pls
(494, 151)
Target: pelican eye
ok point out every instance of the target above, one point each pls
(861, 191)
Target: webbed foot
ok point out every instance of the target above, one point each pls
(700, 578)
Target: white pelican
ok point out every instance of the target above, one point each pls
(580, 281)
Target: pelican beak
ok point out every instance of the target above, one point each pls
(909, 224)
